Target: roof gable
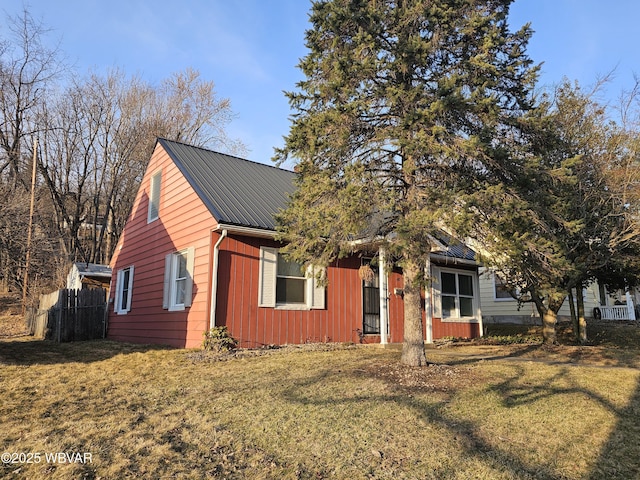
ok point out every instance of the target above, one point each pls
(236, 191)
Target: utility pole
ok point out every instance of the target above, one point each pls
(28, 259)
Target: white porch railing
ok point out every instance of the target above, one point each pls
(618, 312)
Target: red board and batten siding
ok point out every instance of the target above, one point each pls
(455, 329)
(184, 221)
(254, 326)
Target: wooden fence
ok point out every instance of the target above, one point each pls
(69, 315)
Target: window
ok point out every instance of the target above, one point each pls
(124, 284)
(457, 295)
(284, 284)
(290, 282)
(154, 197)
(178, 279)
(500, 290)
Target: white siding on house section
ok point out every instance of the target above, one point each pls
(506, 310)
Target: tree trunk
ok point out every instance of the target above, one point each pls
(581, 331)
(6, 273)
(549, 320)
(110, 227)
(413, 345)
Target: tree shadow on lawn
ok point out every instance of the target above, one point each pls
(515, 393)
(557, 355)
(28, 351)
(462, 356)
(619, 457)
(436, 413)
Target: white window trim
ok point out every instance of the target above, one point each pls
(117, 308)
(476, 298)
(156, 177)
(170, 280)
(267, 279)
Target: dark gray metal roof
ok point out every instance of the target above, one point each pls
(245, 193)
(236, 191)
(454, 248)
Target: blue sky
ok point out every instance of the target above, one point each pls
(250, 48)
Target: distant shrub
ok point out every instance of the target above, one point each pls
(218, 340)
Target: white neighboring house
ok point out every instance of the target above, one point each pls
(88, 275)
(498, 306)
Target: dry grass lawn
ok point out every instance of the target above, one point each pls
(11, 321)
(322, 411)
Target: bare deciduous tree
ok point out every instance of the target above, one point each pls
(28, 70)
(96, 134)
(99, 136)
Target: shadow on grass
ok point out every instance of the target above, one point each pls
(472, 358)
(29, 351)
(472, 445)
(514, 393)
(609, 346)
(620, 456)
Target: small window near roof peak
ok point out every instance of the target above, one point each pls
(154, 197)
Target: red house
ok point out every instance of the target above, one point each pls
(198, 251)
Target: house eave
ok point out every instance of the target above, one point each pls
(356, 244)
(244, 230)
(446, 259)
(96, 275)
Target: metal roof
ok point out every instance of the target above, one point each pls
(236, 191)
(245, 193)
(454, 248)
(93, 269)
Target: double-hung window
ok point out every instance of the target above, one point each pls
(178, 279)
(285, 284)
(124, 285)
(457, 295)
(290, 282)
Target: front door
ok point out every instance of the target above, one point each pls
(371, 303)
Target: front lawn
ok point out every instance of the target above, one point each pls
(322, 411)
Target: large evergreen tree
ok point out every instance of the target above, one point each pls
(405, 105)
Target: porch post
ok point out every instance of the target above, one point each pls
(428, 310)
(630, 306)
(384, 311)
